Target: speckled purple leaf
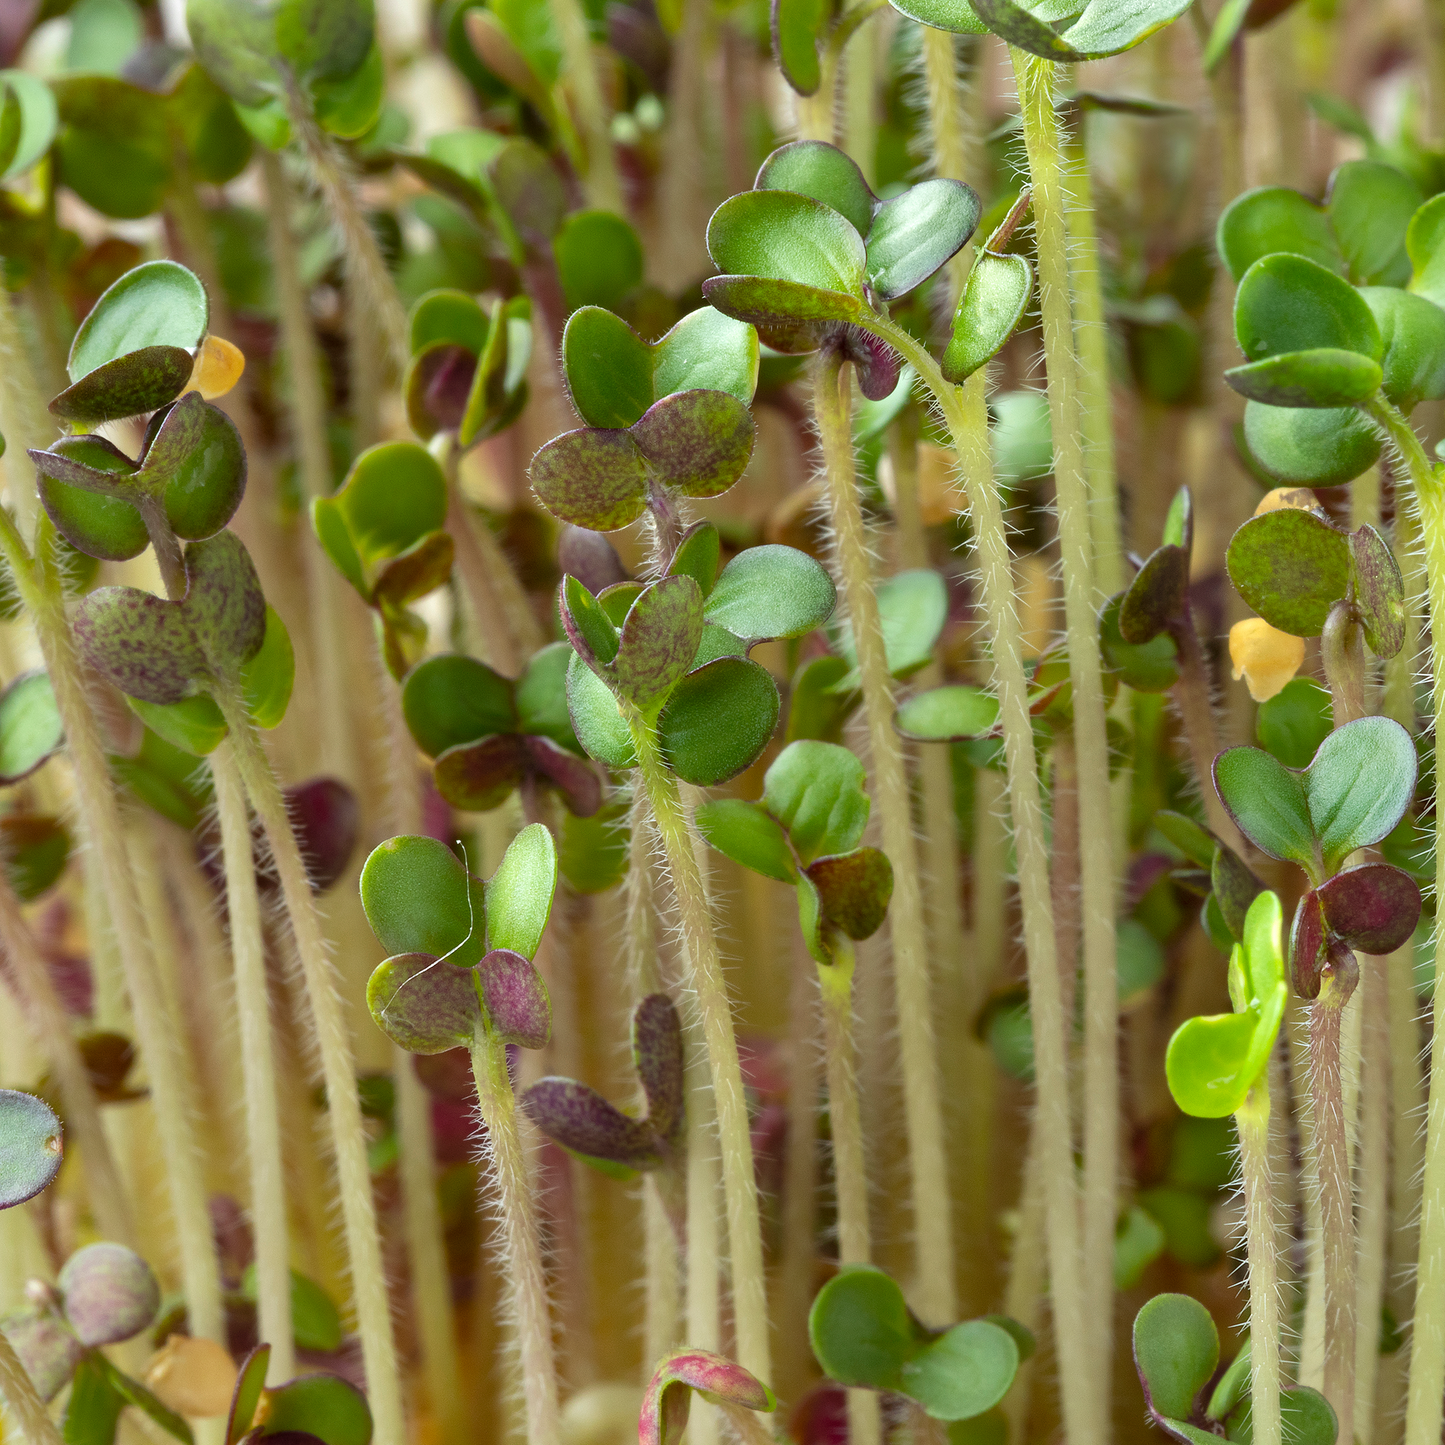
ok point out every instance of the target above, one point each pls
(1235, 888)
(138, 382)
(659, 641)
(422, 1004)
(120, 481)
(657, 1057)
(1308, 940)
(46, 1348)
(580, 1119)
(1373, 908)
(516, 999)
(574, 778)
(110, 1293)
(669, 1393)
(480, 776)
(589, 557)
(790, 316)
(593, 478)
(1379, 591)
(1156, 596)
(698, 442)
(180, 432)
(854, 889)
(422, 568)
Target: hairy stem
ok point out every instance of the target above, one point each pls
(604, 188)
(1035, 81)
(109, 1201)
(24, 420)
(1252, 1122)
(263, 1118)
(703, 1325)
(358, 1208)
(927, 1155)
(25, 1407)
(745, 1245)
(966, 416)
(1374, 1175)
(1191, 696)
(850, 1173)
(523, 1258)
(39, 588)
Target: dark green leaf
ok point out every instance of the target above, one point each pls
(1272, 219)
(771, 591)
(1176, 1349)
(1294, 722)
(1288, 303)
(1323, 377)
(1317, 448)
(994, 299)
(746, 833)
(815, 168)
(718, 721)
(415, 893)
(454, 699)
(816, 791)
(322, 1405)
(1291, 567)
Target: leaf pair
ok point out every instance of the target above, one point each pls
(461, 950)
(810, 249)
(319, 1407)
(1053, 32)
(620, 1145)
(188, 482)
(384, 530)
(1292, 566)
(805, 831)
(1354, 792)
(676, 652)
(490, 735)
(691, 443)
(1373, 909)
(468, 369)
(1176, 1352)
(864, 1335)
(1213, 1062)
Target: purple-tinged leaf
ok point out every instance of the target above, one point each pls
(516, 999)
(669, 1393)
(589, 629)
(421, 569)
(46, 1348)
(1308, 941)
(698, 442)
(657, 1057)
(574, 778)
(1291, 567)
(659, 641)
(580, 1119)
(326, 818)
(437, 384)
(250, 1380)
(854, 889)
(1379, 591)
(110, 1293)
(448, 1075)
(425, 1005)
(1235, 888)
(589, 557)
(138, 382)
(1156, 597)
(1374, 908)
(876, 363)
(790, 316)
(480, 776)
(593, 478)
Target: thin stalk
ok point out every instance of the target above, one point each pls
(1028, 1274)
(966, 416)
(25, 1407)
(366, 273)
(1191, 696)
(953, 145)
(24, 420)
(1035, 80)
(1427, 1352)
(703, 1331)
(523, 1253)
(1252, 1122)
(745, 1245)
(850, 1174)
(109, 1200)
(358, 1208)
(263, 1116)
(307, 406)
(39, 589)
(604, 188)
(935, 1289)
(1372, 1148)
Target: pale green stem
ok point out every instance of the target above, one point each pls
(745, 1244)
(523, 1257)
(1097, 878)
(818, 114)
(604, 188)
(703, 1331)
(1427, 1353)
(935, 1290)
(954, 147)
(39, 589)
(966, 416)
(1373, 1172)
(421, 1210)
(1252, 1122)
(24, 420)
(343, 1111)
(850, 1174)
(306, 404)
(109, 1200)
(23, 1404)
(263, 1116)
(1028, 1274)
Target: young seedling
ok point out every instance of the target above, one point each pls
(805, 831)
(461, 975)
(490, 736)
(1353, 794)
(1220, 1065)
(1176, 1352)
(668, 1401)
